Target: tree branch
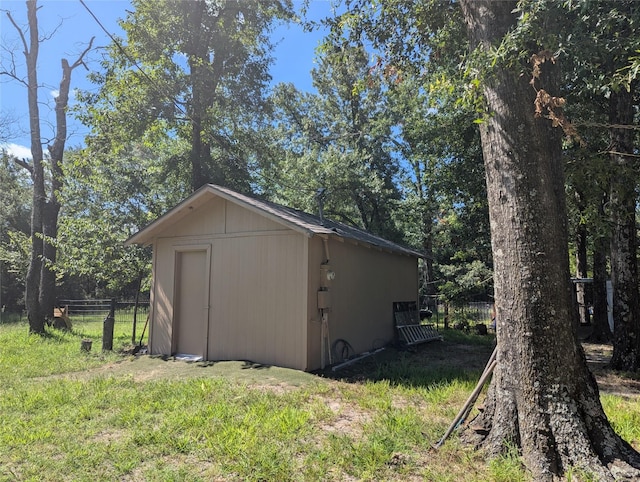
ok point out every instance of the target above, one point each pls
(20, 32)
(24, 164)
(10, 70)
(80, 59)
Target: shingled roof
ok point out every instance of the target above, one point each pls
(295, 219)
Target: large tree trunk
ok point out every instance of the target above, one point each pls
(203, 78)
(624, 266)
(542, 396)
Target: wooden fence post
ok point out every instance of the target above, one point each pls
(107, 328)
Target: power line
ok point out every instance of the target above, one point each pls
(179, 107)
(306, 190)
(151, 82)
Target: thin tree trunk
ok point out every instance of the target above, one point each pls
(427, 249)
(32, 297)
(135, 308)
(601, 332)
(581, 264)
(624, 265)
(542, 396)
(52, 206)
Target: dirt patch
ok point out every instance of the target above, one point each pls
(347, 419)
(609, 381)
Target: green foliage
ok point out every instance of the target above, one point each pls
(15, 245)
(418, 49)
(105, 202)
(372, 105)
(339, 139)
(598, 46)
(193, 74)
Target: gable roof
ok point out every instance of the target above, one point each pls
(294, 219)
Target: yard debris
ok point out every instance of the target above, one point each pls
(464, 411)
(355, 359)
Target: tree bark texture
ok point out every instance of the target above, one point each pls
(32, 295)
(542, 396)
(52, 207)
(624, 265)
(601, 332)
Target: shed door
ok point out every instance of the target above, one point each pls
(191, 307)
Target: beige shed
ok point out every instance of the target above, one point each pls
(237, 278)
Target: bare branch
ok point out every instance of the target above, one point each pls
(11, 70)
(80, 60)
(62, 100)
(53, 32)
(20, 32)
(24, 164)
(8, 123)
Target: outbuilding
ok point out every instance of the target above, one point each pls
(239, 278)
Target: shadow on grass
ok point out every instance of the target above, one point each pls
(10, 318)
(459, 357)
(243, 364)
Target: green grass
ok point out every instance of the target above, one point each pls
(624, 414)
(72, 415)
(459, 336)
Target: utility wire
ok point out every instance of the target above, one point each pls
(259, 173)
(152, 83)
(177, 105)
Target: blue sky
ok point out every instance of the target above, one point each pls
(71, 27)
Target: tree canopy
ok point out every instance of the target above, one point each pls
(195, 73)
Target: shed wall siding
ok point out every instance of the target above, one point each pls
(314, 326)
(256, 312)
(258, 286)
(218, 216)
(241, 220)
(203, 220)
(367, 283)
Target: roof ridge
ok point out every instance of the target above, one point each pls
(326, 225)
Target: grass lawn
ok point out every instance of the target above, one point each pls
(72, 415)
